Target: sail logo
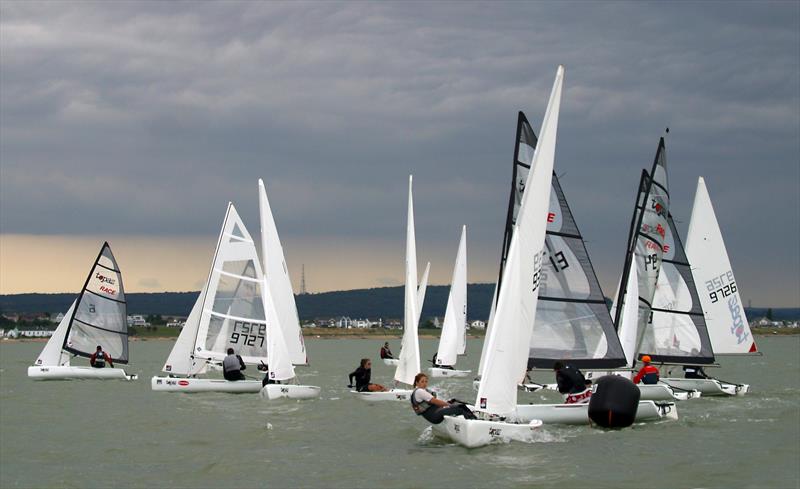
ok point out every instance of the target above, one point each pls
(658, 208)
(737, 328)
(108, 290)
(105, 280)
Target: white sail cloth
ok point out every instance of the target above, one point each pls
(453, 340)
(509, 338)
(408, 365)
(53, 354)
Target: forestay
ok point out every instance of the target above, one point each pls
(726, 321)
(646, 242)
(453, 341)
(233, 313)
(408, 364)
(278, 280)
(100, 313)
(677, 332)
(509, 337)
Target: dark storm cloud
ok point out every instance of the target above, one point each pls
(146, 118)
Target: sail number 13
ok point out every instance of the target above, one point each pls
(248, 333)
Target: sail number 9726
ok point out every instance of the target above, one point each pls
(248, 333)
(721, 286)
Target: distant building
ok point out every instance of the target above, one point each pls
(137, 320)
(36, 333)
(56, 317)
(477, 324)
(176, 324)
(436, 322)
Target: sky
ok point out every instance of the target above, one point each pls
(137, 122)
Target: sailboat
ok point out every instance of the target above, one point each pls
(423, 287)
(234, 310)
(453, 341)
(509, 335)
(572, 321)
(408, 364)
(97, 317)
(726, 330)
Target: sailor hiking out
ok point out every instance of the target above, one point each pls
(425, 404)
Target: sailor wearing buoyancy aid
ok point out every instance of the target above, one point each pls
(571, 383)
(648, 374)
(434, 410)
(232, 366)
(99, 358)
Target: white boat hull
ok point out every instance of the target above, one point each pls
(289, 391)
(578, 414)
(437, 372)
(69, 372)
(664, 392)
(392, 395)
(392, 362)
(708, 387)
(529, 387)
(474, 433)
(191, 384)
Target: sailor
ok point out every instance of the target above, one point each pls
(232, 366)
(263, 367)
(572, 384)
(694, 372)
(363, 375)
(425, 403)
(433, 361)
(99, 358)
(386, 352)
(648, 374)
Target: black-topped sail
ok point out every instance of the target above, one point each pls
(572, 320)
(100, 314)
(677, 330)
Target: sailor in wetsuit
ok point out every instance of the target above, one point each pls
(572, 384)
(99, 358)
(363, 374)
(425, 404)
(232, 366)
(648, 374)
(386, 352)
(433, 361)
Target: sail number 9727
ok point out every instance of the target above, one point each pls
(248, 333)
(721, 286)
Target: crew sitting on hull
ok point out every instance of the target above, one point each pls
(386, 352)
(266, 380)
(363, 374)
(425, 403)
(99, 358)
(232, 366)
(694, 372)
(572, 384)
(648, 374)
(433, 361)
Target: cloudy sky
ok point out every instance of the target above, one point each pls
(138, 122)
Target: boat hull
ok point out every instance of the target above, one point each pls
(708, 387)
(392, 395)
(474, 433)
(578, 414)
(392, 362)
(191, 384)
(289, 391)
(437, 372)
(69, 372)
(664, 392)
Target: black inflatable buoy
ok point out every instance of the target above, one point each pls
(614, 402)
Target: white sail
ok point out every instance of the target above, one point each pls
(52, 354)
(453, 340)
(719, 293)
(509, 338)
(628, 329)
(421, 290)
(280, 359)
(181, 359)
(274, 266)
(233, 306)
(408, 364)
(488, 330)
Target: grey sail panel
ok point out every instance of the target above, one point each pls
(572, 320)
(100, 314)
(677, 330)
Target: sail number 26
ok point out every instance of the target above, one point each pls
(248, 333)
